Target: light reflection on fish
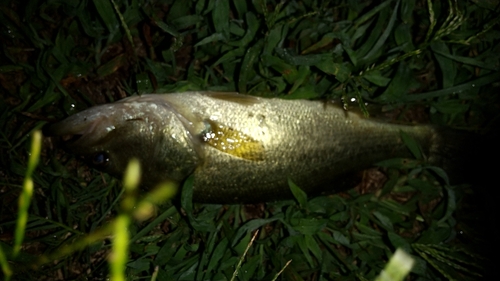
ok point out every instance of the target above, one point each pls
(240, 149)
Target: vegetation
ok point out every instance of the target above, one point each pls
(418, 61)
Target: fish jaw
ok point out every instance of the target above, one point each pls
(85, 128)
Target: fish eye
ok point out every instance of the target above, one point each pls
(100, 159)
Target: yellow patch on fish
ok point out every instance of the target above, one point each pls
(233, 142)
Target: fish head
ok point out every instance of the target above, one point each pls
(108, 136)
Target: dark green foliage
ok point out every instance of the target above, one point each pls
(431, 64)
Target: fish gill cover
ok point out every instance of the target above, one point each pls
(427, 62)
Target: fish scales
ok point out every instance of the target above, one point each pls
(240, 149)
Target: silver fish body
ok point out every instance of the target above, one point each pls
(240, 149)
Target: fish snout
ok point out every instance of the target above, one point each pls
(84, 128)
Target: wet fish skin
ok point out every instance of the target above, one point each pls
(240, 149)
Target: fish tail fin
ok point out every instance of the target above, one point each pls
(467, 157)
(473, 159)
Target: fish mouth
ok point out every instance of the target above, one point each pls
(61, 130)
(81, 129)
(69, 139)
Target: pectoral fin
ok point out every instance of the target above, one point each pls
(233, 142)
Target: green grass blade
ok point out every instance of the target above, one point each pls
(412, 145)
(383, 37)
(123, 23)
(119, 252)
(481, 81)
(220, 17)
(397, 268)
(470, 61)
(371, 13)
(247, 65)
(169, 212)
(118, 256)
(281, 270)
(240, 262)
(27, 192)
(108, 16)
(7, 272)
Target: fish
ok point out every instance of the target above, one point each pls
(238, 148)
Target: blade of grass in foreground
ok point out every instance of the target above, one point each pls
(119, 253)
(397, 268)
(27, 192)
(131, 208)
(7, 272)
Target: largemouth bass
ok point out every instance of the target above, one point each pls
(240, 149)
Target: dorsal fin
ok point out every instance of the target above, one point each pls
(233, 97)
(353, 106)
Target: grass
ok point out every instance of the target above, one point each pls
(418, 61)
